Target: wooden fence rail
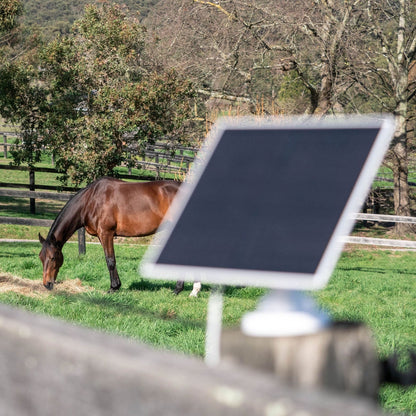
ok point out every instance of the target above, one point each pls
(37, 195)
(160, 157)
(32, 195)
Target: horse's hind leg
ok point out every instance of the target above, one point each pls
(108, 246)
(195, 290)
(179, 287)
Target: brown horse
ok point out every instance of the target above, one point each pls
(107, 208)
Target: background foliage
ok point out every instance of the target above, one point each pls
(92, 97)
(55, 17)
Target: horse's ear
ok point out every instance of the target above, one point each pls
(54, 242)
(52, 239)
(41, 239)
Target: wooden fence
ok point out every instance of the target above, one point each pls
(161, 157)
(32, 195)
(158, 157)
(6, 145)
(81, 233)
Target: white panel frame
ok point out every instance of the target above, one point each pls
(271, 279)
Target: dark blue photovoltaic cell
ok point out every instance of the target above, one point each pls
(269, 199)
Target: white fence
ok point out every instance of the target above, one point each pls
(382, 241)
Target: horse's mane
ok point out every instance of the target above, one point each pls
(67, 207)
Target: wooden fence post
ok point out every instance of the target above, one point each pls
(157, 167)
(81, 241)
(5, 146)
(32, 188)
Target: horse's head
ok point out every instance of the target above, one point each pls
(52, 259)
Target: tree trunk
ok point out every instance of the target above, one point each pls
(400, 148)
(326, 91)
(400, 175)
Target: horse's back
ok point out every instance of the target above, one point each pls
(112, 188)
(156, 192)
(129, 208)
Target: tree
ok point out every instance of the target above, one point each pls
(20, 100)
(392, 25)
(24, 102)
(100, 97)
(10, 10)
(344, 56)
(257, 44)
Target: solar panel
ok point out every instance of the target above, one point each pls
(269, 199)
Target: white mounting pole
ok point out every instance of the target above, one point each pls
(214, 327)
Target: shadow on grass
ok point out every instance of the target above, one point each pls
(240, 292)
(118, 306)
(8, 255)
(7, 250)
(377, 270)
(151, 285)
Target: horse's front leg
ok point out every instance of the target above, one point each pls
(110, 257)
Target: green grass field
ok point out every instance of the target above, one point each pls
(374, 286)
(141, 309)
(371, 286)
(378, 288)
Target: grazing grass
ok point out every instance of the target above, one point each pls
(141, 309)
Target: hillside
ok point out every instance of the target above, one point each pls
(52, 17)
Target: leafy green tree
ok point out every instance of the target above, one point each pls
(23, 101)
(10, 10)
(99, 98)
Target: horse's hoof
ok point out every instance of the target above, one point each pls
(193, 295)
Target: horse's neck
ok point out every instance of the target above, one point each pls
(68, 221)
